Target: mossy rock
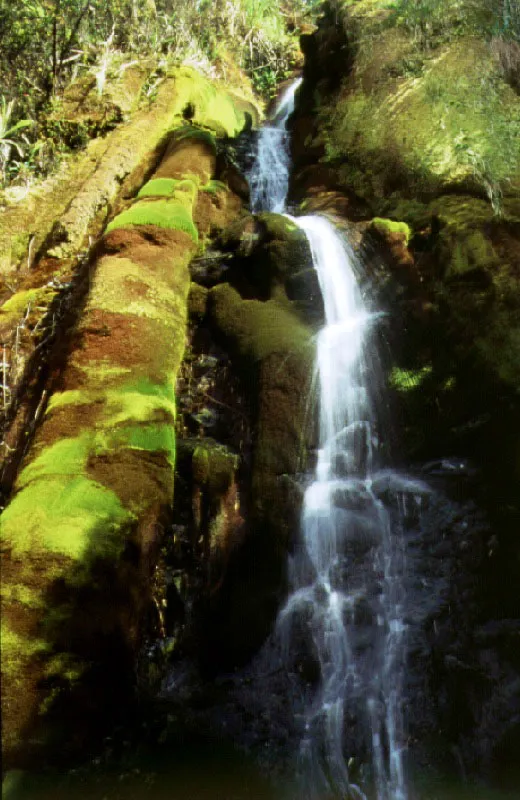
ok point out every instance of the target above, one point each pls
(198, 300)
(391, 228)
(276, 248)
(258, 329)
(214, 187)
(399, 124)
(213, 467)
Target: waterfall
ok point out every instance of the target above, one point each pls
(346, 605)
(347, 574)
(269, 174)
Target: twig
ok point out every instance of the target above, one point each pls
(5, 387)
(29, 253)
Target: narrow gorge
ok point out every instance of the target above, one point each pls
(260, 451)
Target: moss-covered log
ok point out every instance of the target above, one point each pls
(80, 535)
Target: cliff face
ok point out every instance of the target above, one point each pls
(408, 125)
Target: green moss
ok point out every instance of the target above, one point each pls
(159, 187)
(17, 650)
(169, 187)
(407, 380)
(152, 438)
(140, 401)
(472, 252)
(79, 518)
(385, 226)
(19, 302)
(188, 132)
(64, 666)
(213, 466)
(65, 457)
(18, 593)
(162, 213)
(214, 187)
(259, 328)
(12, 784)
(419, 132)
(72, 397)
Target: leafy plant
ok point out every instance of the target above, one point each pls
(7, 131)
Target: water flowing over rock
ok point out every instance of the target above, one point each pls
(269, 175)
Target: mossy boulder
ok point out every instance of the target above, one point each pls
(397, 118)
(273, 350)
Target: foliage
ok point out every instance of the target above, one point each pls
(47, 43)
(434, 19)
(437, 102)
(7, 131)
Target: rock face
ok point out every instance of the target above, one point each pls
(411, 138)
(255, 309)
(81, 532)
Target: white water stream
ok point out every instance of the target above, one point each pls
(347, 573)
(269, 174)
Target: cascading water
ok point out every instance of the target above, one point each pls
(347, 573)
(269, 174)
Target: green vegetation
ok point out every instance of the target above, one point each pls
(160, 187)
(163, 214)
(46, 44)
(431, 110)
(258, 328)
(407, 380)
(80, 518)
(384, 226)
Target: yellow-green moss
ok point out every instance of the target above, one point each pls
(407, 380)
(64, 457)
(72, 397)
(213, 108)
(125, 287)
(64, 666)
(162, 213)
(152, 438)
(214, 187)
(17, 650)
(384, 226)
(70, 515)
(19, 593)
(197, 300)
(259, 328)
(196, 134)
(19, 302)
(139, 401)
(200, 465)
(167, 187)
